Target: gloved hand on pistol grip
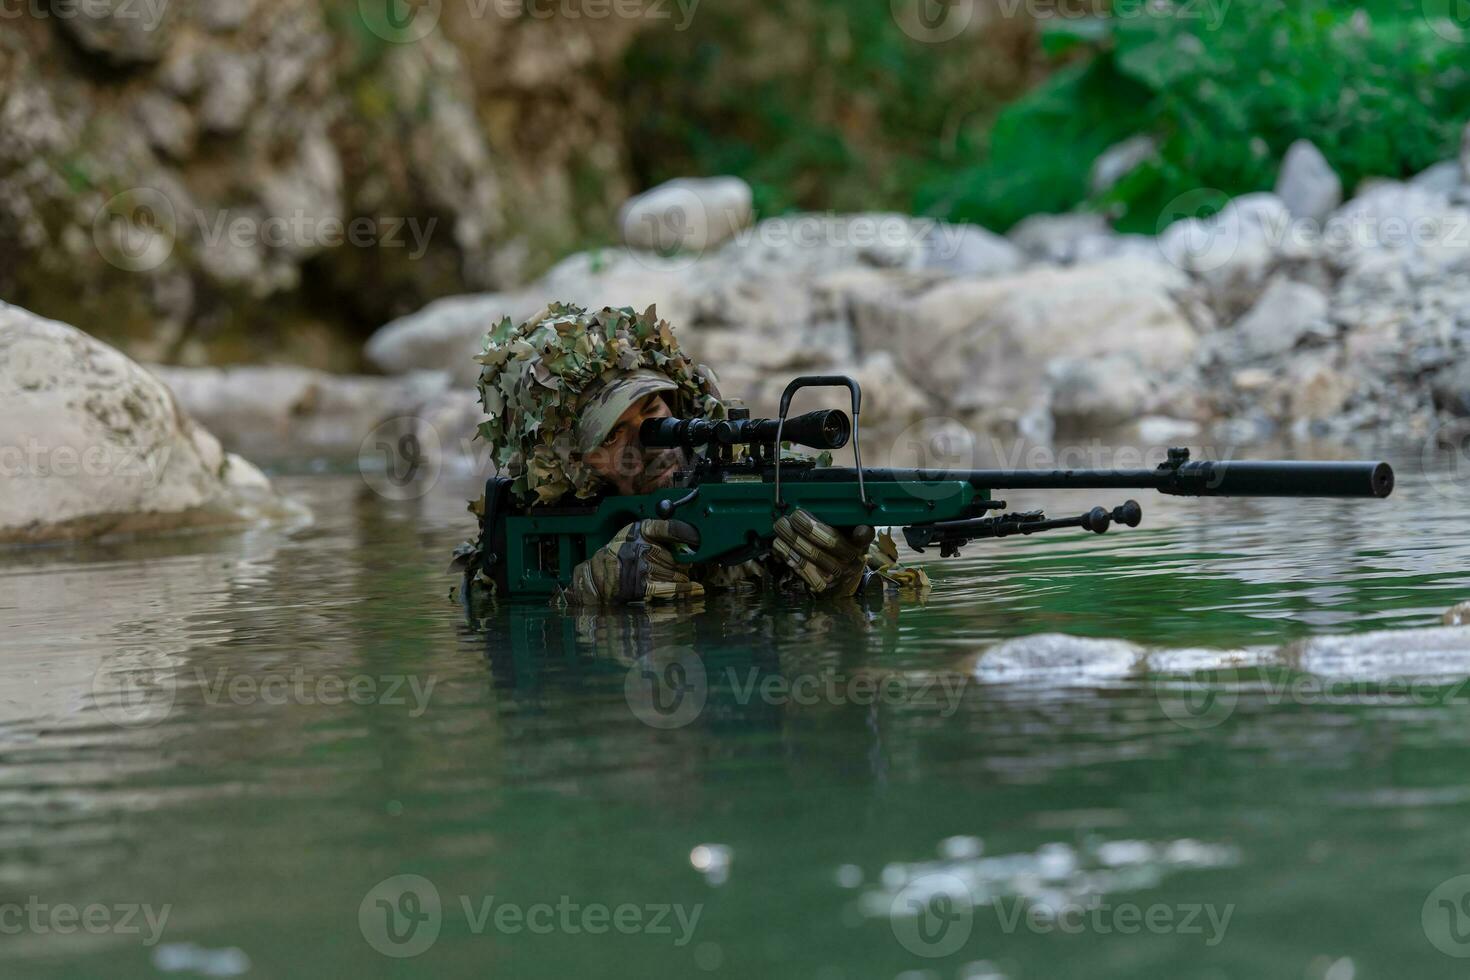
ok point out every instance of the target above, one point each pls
(827, 562)
(637, 565)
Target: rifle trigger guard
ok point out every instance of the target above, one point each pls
(665, 508)
(823, 381)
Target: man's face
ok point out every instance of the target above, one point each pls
(625, 463)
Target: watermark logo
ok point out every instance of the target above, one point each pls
(667, 692)
(1445, 458)
(401, 458)
(147, 14)
(1446, 917)
(1104, 918)
(136, 230)
(933, 21)
(672, 222)
(401, 21)
(932, 915)
(401, 916)
(1193, 704)
(1450, 19)
(942, 447)
(134, 687)
(1196, 233)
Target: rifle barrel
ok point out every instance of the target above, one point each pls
(1198, 478)
(1211, 478)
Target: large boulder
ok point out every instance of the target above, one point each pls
(985, 343)
(92, 445)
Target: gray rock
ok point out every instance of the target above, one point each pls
(1441, 178)
(1398, 224)
(1285, 313)
(100, 446)
(1234, 250)
(1465, 153)
(229, 81)
(1434, 652)
(283, 412)
(222, 16)
(122, 31)
(1097, 393)
(1118, 160)
(1307, 184)
(446, 334)
(167, 123)
(982, 344)
(1451, 388)
(687, 214)
(970, 250)
(1057, 659)
(1058, 237)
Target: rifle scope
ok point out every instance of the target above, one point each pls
(827, 429)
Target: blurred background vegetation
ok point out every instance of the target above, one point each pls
(829, 104)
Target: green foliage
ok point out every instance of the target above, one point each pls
(828, 104)
(1377, 89)
(819, 104)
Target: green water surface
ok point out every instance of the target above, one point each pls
(179, 728)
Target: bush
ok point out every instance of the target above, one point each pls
(1377, 89)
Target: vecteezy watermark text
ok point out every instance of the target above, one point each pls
(134, 689)
(37, 917)
(673, 691)
(137, 230)
(149, 12)
(934, 916)
(403, 915)
(407, 21)
(35, 460)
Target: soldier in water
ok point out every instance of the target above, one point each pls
(565, 395)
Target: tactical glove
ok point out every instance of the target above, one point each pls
(637, 565)
(827, 562)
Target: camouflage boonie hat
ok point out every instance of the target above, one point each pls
(539, 378)
(607, 403)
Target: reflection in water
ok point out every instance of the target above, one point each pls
(1077, 710)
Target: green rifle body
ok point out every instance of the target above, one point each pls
(734, 508)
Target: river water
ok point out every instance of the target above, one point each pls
(1167, 752)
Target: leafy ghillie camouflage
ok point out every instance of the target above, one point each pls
(536, 379)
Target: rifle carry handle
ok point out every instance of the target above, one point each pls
(823, 381)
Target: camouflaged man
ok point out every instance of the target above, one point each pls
(565, 395)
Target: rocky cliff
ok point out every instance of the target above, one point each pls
(214, 179)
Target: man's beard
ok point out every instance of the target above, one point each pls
(660, 470)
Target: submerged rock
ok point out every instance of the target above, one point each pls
(92, 444)
(1434, 652)
(1057, 658)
